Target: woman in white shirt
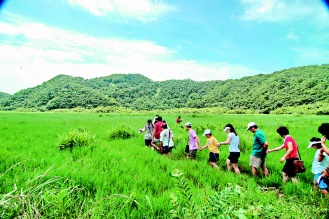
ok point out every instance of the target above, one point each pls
(234, 142)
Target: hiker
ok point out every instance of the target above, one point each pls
(259, 147)
(193, 142)
(179, 120)
(290, 156)
(148, 129)
(156, 133)
(324, 131)
(234, 142)
(320, 163)
(166, 140)
(211, 144)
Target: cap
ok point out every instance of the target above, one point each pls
(250, 124)
(313, 143)
(188, 124)
(226, 128)
(206, 132)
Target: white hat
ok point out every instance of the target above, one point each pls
(206, 132)
(188, 124)
(250, 124)
(313, 143)
(226, 128)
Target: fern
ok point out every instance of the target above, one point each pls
(216, 206)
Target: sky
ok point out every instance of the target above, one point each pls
(160, 39)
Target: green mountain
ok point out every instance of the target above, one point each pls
(60, 92)
(294, 87)
(3, 97)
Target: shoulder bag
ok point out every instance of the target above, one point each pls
(299, 164)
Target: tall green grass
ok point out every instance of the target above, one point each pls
(116, 178)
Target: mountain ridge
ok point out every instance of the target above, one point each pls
(263, 92)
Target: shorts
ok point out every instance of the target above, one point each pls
(234, 157)
(192, 154)
(148, 142)
(322, 184)
(213, 157)
(166, 149)
(257, 162)
(289, 167)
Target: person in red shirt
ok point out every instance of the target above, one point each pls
(290, 156)
(179, 120)
(156, 133)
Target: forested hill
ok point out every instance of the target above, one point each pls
(308, 85)
(3, 96)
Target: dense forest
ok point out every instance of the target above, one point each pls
(305, 89)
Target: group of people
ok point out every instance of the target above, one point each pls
(158, 136)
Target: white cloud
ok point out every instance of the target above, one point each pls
(291, 36)
(284, 11)
(143, 10)
(44, 52)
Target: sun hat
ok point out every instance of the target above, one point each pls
(206, 132)
(226, 128)
(313, 143)
(250, 124)
(188, 124)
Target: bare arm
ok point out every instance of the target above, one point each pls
(265, 145)
(198, 141)
(154, 131)
(228, 140)
(320, 155)
(276, 149)
(201, 148)
(324, 146)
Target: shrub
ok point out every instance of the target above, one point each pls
(122, 131)
(216, 206)
(75, 138)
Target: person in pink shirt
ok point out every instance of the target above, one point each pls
(193, 141)
(156, 133)
(290, 156)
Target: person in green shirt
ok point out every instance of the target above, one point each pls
(259, 148)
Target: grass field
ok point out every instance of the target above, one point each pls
(122, 178)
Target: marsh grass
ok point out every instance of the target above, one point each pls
(75, 138)
(124, 179)
(122, 131)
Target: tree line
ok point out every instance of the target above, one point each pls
(303, 88)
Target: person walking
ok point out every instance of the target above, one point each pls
(290, 156)
(156, 133)
(166, 140)
(324, 131)
(193, 141)
(148, 129)
(211, 144)
(259, 147)
(234, 141)
(320, 163)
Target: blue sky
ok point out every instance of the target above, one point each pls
(161, 39)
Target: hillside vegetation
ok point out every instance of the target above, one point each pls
(3, 96)
(305, 89)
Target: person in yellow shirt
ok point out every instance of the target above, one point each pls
(211, 144)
